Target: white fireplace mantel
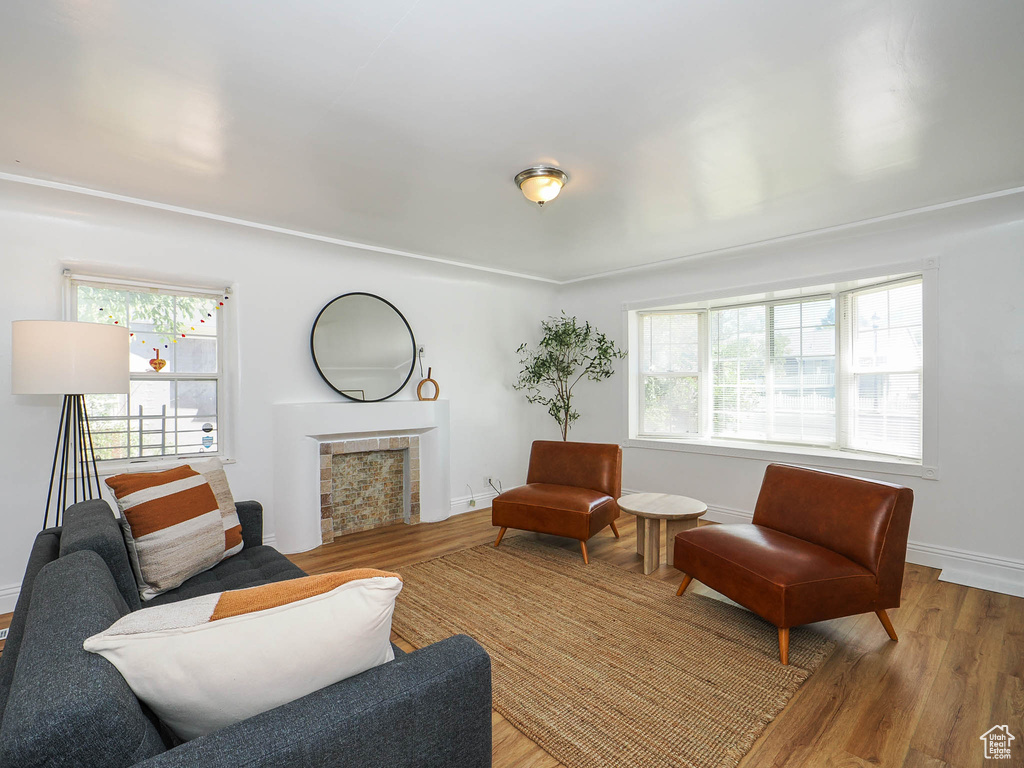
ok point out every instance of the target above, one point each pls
(300, 428)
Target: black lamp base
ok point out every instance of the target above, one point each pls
(74, 461)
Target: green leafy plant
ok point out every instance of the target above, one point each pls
(567, 353)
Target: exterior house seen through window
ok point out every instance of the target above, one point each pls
(840, 371)
(173, 407)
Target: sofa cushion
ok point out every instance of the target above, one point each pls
(215, 660)
(251, 567)
(781, 578)
(68, 707)
(561, 510)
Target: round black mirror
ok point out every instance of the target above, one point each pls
(363, 347)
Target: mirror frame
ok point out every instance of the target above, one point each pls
(412, 338)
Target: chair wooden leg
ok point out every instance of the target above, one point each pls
(784, 645)
(614, 529)
(583, 547)
(682, 587)
(501, 533)
(884, 618)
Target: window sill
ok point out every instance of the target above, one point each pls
(814, 457)
(113, 467)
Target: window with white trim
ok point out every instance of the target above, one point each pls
(840, 370)
(670, 371)
(882, 380)
(174, 406)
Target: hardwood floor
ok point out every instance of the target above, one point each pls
(957, 670)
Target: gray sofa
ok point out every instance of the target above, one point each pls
(63, 706)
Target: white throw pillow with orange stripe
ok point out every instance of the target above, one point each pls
(176, 523)
(205, 663)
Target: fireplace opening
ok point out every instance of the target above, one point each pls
(368, 483)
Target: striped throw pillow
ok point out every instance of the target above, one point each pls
(211, 661)
(214, 473)
(173, 525)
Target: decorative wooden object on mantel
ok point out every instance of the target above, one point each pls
(428, 380)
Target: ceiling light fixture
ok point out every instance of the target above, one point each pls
(542, 183)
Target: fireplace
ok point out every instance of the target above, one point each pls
(368, 483)
(300, 431)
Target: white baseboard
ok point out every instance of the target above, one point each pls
(972, 569)
(460, 504)
(958, 566)
(9, 597)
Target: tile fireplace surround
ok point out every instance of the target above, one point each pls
(302, 429)
(368, 483)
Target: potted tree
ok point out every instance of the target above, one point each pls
(567, 353)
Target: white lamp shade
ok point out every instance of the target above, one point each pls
(52, 357)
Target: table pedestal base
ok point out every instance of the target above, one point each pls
(648, 540)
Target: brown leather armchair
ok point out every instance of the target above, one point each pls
(820, 546)
(571, 490)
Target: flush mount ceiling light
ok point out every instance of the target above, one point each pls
(542, 183)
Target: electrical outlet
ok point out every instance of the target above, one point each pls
(472, 502)
(3, 634)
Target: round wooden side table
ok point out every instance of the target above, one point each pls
(680, 513)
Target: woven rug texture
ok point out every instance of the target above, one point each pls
(604, 667)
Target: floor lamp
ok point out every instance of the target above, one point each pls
(51, 357)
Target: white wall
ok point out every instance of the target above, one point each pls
(971, 520)
(471, 323)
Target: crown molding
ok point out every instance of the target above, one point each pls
(61, 186)
(653, 265)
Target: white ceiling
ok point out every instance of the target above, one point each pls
(684, 126)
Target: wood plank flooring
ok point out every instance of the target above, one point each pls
(957, 670)
(920, 703)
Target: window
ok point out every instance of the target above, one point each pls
(883, 378)
(839, 370)
(670, 356)
(173, 407)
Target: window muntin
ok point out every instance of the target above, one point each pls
(175, 411)
(839, 371)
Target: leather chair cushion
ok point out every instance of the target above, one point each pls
(597, 466)
(848, 515)
(561, 510)
(783, 579)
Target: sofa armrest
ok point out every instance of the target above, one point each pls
(45, 550)
(250, 515)
(427, 709)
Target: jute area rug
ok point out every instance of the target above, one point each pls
(603, 667)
